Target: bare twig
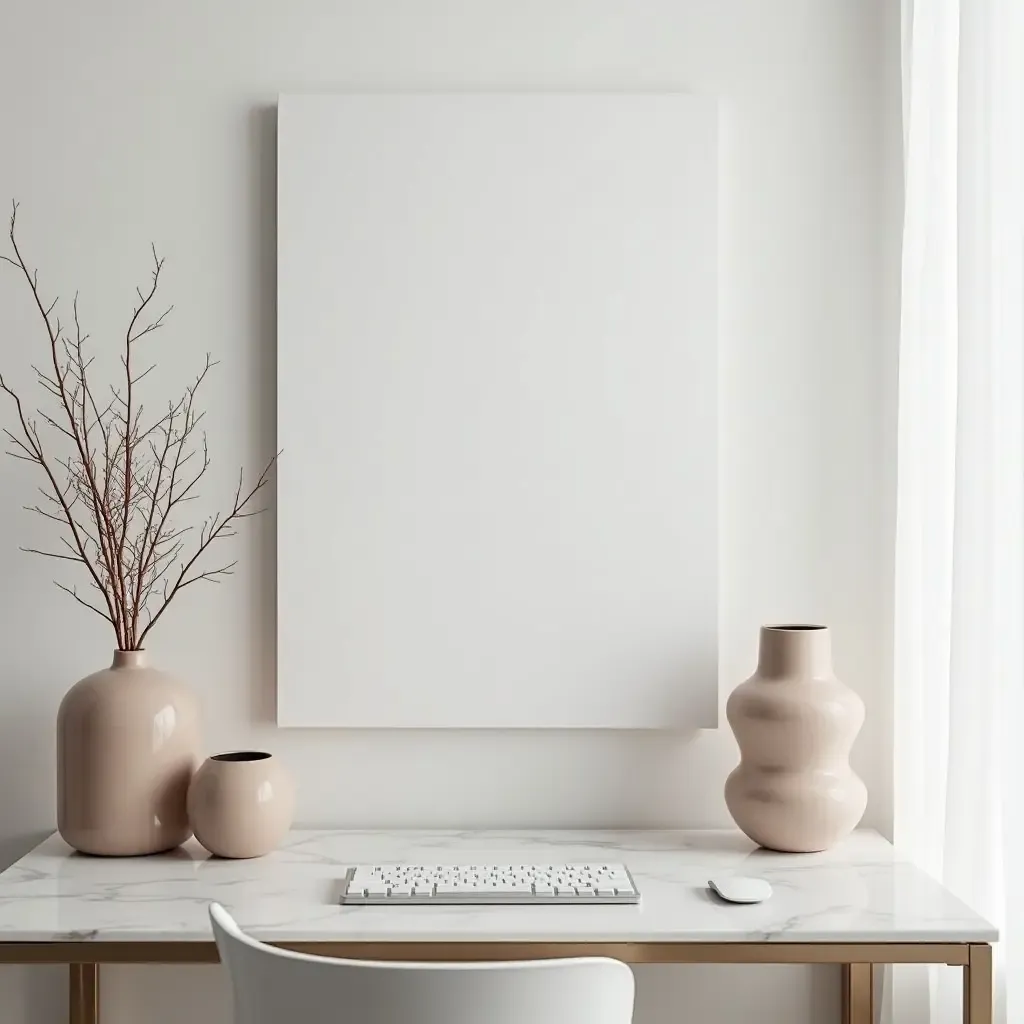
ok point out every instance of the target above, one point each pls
(81, 601)
(216, 529)
(119, 490)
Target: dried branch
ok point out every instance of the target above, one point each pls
(81, 601)
(118, 491)
(217, 528)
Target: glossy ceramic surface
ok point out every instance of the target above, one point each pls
(128, 741)
(241, 803)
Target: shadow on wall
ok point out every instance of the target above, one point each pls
(262, 140)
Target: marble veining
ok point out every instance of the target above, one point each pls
(862, 891)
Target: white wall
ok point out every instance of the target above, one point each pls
(124, 122)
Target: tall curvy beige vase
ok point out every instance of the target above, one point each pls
(795, 724)
(128, 741)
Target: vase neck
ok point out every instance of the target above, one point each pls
(803, 651)
(130, 659)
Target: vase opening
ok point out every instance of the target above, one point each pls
(800, 649)
(241, 755)
(130, 659)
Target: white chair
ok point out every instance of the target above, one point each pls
(276, 986)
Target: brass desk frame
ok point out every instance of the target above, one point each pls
(857, 961)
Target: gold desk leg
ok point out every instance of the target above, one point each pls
(978, 986)
(83, 993)
(858, 994)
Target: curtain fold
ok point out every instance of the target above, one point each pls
(959, 558)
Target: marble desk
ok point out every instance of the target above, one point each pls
(856, 906)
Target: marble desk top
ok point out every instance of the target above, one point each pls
(862, 891)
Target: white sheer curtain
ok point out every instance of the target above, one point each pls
(959, 599)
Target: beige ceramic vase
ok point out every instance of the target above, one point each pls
(241, 803)
(127, 744)
(795, 723)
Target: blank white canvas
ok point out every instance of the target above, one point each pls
(497, 378)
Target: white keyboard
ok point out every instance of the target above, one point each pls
(438, 885)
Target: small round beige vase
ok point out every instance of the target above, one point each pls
(241, 803)
(128, 741)
(795, 723)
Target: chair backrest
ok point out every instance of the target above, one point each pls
(277, 986)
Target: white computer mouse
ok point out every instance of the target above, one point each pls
(741, 890)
